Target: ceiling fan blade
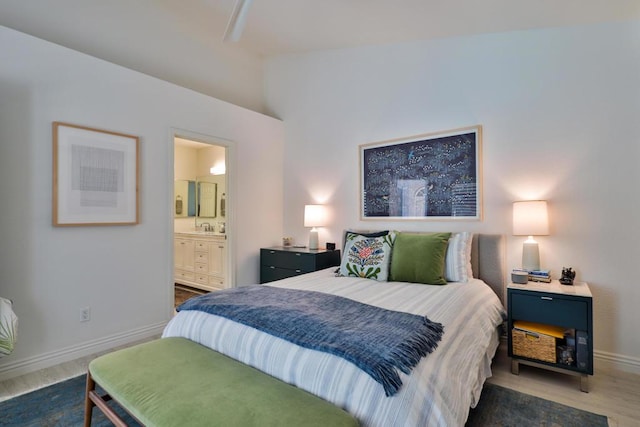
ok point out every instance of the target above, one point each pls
(237, 21)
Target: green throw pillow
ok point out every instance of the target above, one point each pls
(419, 258)
(367, 257)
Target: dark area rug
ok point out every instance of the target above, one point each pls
(62, 405)
(502, 407)
(59, 405)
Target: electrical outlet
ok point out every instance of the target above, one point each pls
(85, 314)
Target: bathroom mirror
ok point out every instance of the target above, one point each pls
(184, 198)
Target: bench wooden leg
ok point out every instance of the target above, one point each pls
(94, 399)
(88, 403)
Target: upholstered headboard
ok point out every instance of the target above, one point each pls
(487, 259)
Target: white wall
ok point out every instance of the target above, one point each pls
(209, 157)
(158, 43)
(185, 160)
(125, 272)
(560, 112)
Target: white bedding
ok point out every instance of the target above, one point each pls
(438, 392)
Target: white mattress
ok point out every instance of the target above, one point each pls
(438, 392)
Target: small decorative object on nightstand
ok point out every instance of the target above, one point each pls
(567, 276)
(280, 262)
(287, 241)
(543, 309)
(520, 277)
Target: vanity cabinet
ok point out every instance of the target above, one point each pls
(184, 258)
(200, 260)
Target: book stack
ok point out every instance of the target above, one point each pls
(537, 275)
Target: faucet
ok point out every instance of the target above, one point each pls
(206, 226)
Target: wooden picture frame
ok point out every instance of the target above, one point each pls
(95, 176)
(435, 176)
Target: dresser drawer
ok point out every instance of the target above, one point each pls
(202, 257)
(203, 279)
(305, 262)
(280, 263)
(201, 245)
(202, 268)
(551, 309)
(269, 273)
(184, 275)
(216, 282)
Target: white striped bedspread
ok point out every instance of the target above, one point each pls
(438, 392)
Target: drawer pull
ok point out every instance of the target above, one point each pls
(547, 298)
(298, 271)
(272, 267)
(272, 252)
(297, 254)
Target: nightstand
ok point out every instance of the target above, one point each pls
(569, 307)
(280, 262)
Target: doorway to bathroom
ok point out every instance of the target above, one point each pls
(200, 216)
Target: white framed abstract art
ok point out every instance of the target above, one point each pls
(435, 176)
(95, 176)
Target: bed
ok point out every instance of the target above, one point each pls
(440, 389)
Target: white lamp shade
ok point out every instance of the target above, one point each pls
(530, 218)
(315, 215)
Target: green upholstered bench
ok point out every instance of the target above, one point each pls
(177, 382)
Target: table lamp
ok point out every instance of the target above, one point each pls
(314, 216)
(530, 218)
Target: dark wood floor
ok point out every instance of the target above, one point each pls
(183, 293)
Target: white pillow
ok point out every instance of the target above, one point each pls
(457, 264)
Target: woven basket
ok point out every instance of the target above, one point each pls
(534, 346)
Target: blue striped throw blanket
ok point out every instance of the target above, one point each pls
(378, 341)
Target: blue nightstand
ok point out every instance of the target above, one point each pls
(569, 307)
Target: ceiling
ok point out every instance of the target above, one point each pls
(276, 27)
(146, 34)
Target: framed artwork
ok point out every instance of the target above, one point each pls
(95, 176)
(434, 176)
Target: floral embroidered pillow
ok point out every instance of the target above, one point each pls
(367, 257)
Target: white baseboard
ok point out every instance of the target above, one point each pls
(615, 362)
(32, 364)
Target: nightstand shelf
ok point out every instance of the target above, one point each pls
(569, 307)
(280, 262)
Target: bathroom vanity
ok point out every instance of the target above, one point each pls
(200, 260)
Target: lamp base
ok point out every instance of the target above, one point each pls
(313, 239)
(530, 256)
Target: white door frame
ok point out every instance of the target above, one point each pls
(231, 170)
